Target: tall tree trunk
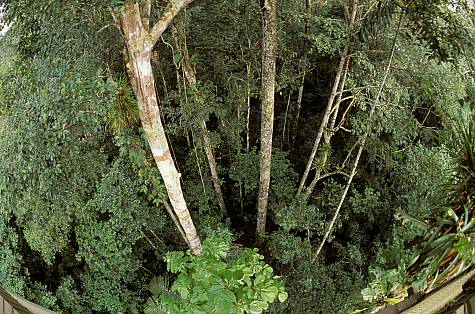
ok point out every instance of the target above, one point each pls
(140, 41)
(269, 51)
(190, 75)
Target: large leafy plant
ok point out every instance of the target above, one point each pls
(216, 283)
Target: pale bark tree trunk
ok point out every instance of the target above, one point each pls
(331, 100)
(269, 51)
(140, 40)
(190, 75)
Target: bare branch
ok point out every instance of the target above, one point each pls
(116, 21)
(329, 174)
(359, 88)
(106, 26)
(343, 117)
(147, 238)
(339, 96)
(348, 155)
(166, 17)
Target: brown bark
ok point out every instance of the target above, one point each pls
(269, 51)
(190, 75)
(145, 8)
(140, 42)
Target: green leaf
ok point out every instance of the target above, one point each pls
(175, 262)
(258, 306)
(393, 301)
(158, 285)
(182, 290)
(216, 289)
(176, 58)
(228, 296)
(283, 296)
(238, 275)
(463, 246)
(259, 279)
(268, 296)
(216, 248)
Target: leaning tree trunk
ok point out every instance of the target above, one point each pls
(133, 21)
(269, 50)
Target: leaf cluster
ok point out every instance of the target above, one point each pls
(213, 284)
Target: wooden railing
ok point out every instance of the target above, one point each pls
(13, 304)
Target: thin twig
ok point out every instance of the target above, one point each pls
(349, 154)
(149, 241)
(285, 118)
(155, 235)
(198, 164)
(343, 117)
(175, 220)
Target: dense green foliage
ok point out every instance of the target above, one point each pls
(82, 223)
(207, 284)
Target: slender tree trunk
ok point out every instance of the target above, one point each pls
(190, 75)
(176, 222)
(269, 51)
(329, 109)
(285, 119)
(339, 97)
(303, 65)
(140, 42)
(328, 134)
(248, 98)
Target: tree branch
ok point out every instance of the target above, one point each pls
(145, 8)
(166, 17)
(116, 21)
